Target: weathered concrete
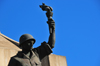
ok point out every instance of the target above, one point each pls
(8, 48)
(57, 60)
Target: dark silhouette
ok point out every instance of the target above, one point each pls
(32, 56)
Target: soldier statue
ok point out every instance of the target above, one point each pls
(30, 56)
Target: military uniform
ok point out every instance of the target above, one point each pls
(37, 55)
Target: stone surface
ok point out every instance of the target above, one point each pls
(8, 43)
(8, 48)
(54, 60)
(57, 60)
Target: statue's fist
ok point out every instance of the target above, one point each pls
(45, 7)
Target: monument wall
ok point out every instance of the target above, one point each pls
(57, 60)
(5, 55)
(8, 48)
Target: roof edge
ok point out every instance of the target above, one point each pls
(11, 40)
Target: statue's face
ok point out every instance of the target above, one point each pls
(28, 45)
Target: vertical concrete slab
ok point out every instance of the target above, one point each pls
(57, 60)
(5, 55)
(8, 48)
(54, 60)
(1, 57)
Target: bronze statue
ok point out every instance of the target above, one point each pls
(32, 56)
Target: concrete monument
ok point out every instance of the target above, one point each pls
(30, 56)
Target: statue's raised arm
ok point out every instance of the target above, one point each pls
(50, 22)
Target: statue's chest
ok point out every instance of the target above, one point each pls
(34, 61)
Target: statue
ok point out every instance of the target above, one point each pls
(30, 56)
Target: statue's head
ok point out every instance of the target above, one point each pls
(26, 41)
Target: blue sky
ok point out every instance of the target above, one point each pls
(77, 26)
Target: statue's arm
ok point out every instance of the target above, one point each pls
(51, 40)
(51, 24)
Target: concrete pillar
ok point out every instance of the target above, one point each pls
(54, 60)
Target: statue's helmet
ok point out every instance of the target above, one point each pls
(24, 38)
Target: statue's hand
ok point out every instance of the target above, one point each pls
(45, 7)
(49, 10)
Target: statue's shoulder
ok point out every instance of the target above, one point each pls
(18, 55)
